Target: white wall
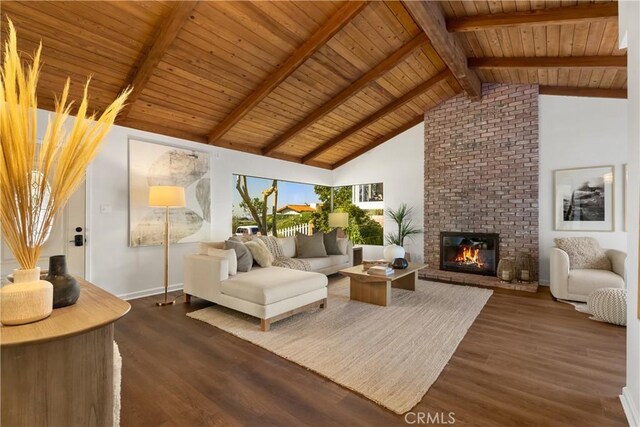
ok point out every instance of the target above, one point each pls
(132, 272)
(631, 393)
(579, 132)
(399, 165)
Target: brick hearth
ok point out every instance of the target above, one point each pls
(481, 171)
(475, 279)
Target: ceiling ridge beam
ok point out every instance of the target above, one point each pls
(555, 16)
(379, 141)
(387, 109)
(591, 92)
(330, 28)
(429, 17)
(550, 62)
(151, 56)
(387, 64)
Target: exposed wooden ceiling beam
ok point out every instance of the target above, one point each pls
(379, 141)
(550, 62)
(561, 15)
(429, 17)
(150, 57)
(256, 150)
(387, 109)
(301, 54)
(371, 75)
(591, 92)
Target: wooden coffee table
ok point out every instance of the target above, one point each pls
(374, 289)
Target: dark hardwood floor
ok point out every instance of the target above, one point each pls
(526, 360)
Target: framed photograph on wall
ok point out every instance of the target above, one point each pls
(584, 199)
(153, 164)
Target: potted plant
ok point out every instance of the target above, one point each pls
(37, 179)
(405, 228)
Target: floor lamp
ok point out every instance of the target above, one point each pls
(339, 220)
(164, 196)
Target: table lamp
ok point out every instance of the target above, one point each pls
(165, 196)
(339, 220)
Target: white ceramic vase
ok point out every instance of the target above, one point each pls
(27, 299)
(392, 252)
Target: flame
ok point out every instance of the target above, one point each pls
(468, 255)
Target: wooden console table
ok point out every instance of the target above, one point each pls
(59, 371)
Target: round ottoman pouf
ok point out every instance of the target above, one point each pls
(608, 305)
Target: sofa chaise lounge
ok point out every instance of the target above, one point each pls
(268, 293)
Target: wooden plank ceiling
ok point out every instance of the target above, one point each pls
(318, 83)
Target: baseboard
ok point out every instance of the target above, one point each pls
(149, 292)
(629, 409)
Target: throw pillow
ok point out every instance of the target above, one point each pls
(343, 246)
(331, 243)
(260, 241)
(584, 252)
(288, 245)
(260, 252)
(229, 255)
(245, 260)
(310, 246)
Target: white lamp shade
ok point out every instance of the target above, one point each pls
(338, 219)
(166, 196)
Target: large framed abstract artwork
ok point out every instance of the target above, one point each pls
(584, 199)
(158, 164)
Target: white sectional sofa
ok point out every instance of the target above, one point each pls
(268, 293)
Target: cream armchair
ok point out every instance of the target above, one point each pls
(577, 284)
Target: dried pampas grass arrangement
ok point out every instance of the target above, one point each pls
(36, 181)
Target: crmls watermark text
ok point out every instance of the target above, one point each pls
(430, 418)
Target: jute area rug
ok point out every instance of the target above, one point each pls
(391, 355)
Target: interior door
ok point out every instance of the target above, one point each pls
(67, 238)
(75, 237)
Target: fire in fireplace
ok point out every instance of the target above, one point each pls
(475, 253)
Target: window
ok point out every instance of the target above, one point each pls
(365, 205)
(273, 206)
(365, 193)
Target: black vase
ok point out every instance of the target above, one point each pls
(66, 289)
(400, 264)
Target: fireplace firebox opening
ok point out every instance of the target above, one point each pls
(476, 253)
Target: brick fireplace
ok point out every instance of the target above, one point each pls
(481, 170)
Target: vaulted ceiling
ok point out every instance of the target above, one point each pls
(312, 82)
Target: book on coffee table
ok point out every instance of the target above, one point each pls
(380, 270)
(367, 264)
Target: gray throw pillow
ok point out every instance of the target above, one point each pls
(584, 252)
(310, 246)
(331, 243)
(245, 259)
